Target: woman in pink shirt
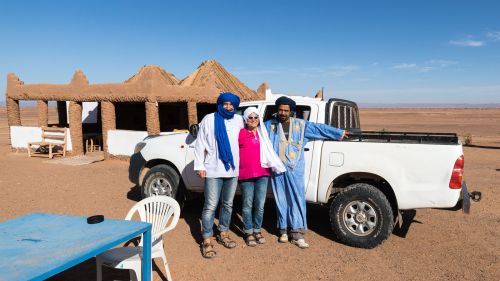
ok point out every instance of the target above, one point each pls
(255, 169)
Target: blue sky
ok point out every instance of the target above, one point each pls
(366, 51)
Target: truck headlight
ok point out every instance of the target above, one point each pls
(139, 147)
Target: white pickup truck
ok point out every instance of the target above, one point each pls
(365, 179)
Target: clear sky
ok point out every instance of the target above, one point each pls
(367, 51)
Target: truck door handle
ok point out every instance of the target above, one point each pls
(306, 149)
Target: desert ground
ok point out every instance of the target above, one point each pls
(432, 245)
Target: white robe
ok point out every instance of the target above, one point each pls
(206, 154)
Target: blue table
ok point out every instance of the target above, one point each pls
(38, 246)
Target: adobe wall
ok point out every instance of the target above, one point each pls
(43, 113)
(75, 126)
(108, 121)
(13, 112)
(192, 113)
(152, 119)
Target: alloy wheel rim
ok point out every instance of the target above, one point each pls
(360, 218)
(160, 186)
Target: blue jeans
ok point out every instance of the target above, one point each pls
(217, 189)
(254, 196)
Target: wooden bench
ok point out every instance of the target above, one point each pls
(52, 137)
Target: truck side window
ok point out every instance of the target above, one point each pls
(301, 111)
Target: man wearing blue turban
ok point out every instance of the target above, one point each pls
(216, 158)
(289, 136)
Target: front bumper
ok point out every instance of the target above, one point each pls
(467, 196)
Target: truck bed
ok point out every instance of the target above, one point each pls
(405, 137)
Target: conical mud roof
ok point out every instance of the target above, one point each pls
(212, 73)
(153, 72)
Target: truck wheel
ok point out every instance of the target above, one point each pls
(361, 216)
(160, 180)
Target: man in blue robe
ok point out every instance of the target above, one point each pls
(289, 136)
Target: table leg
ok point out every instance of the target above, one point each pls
(146, 256)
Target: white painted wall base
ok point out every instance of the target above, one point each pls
(122, 142)
(20, 136)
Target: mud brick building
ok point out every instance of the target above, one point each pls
(150, 102)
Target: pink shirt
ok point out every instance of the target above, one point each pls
(250, 156)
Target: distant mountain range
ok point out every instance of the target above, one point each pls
(363, 105)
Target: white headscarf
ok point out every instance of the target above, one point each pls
(268, 157)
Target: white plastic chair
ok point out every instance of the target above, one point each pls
(156, 210)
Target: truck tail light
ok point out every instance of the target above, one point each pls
(457, 173)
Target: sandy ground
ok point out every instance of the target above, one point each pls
(433, 244)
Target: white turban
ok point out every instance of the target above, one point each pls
(268, 157)
(249, 111)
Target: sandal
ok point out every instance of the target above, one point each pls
(250, 240)
(224, 239)
(260, 239)
(207, 250)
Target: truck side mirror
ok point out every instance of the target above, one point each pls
(193, 130)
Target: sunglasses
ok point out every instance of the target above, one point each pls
(253, 118)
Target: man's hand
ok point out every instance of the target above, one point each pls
(201, 173)
(345, 135)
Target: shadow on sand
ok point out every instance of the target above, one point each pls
(318, 219)
(86, 271)
(482, 146)
(134, 193)
(408, 220)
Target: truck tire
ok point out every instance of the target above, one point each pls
(361, 216)
(160, 180)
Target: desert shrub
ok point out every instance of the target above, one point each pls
(467, 139)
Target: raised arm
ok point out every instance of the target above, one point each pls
(316, 131)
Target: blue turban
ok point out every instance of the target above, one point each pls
(286, 101)
(223, 145)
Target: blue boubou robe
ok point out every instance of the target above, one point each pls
(288, 187)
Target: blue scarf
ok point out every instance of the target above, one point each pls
(223, 145)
